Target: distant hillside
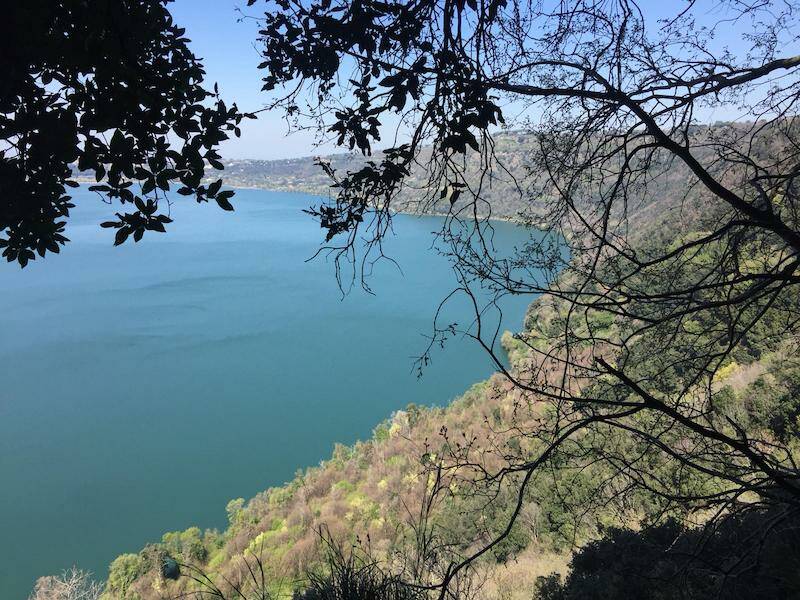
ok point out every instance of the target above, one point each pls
(511, 190)
(303, 175)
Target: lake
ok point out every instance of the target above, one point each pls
(145, 386)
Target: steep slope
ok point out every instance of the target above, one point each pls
(370, 494)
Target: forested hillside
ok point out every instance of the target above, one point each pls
(369, 495)
(386, 498)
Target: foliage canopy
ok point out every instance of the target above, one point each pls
(113, 89)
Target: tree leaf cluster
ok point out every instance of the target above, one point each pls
(112, 90)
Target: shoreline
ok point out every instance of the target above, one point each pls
(412, 213)
(503, 218)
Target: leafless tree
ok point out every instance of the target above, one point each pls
(70, 585)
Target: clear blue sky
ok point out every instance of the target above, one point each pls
(226, 43)
(227, 46)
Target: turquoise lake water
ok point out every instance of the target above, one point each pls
(145, 386)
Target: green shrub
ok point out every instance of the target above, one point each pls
(125, 569)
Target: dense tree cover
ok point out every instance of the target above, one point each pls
(112, 89)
